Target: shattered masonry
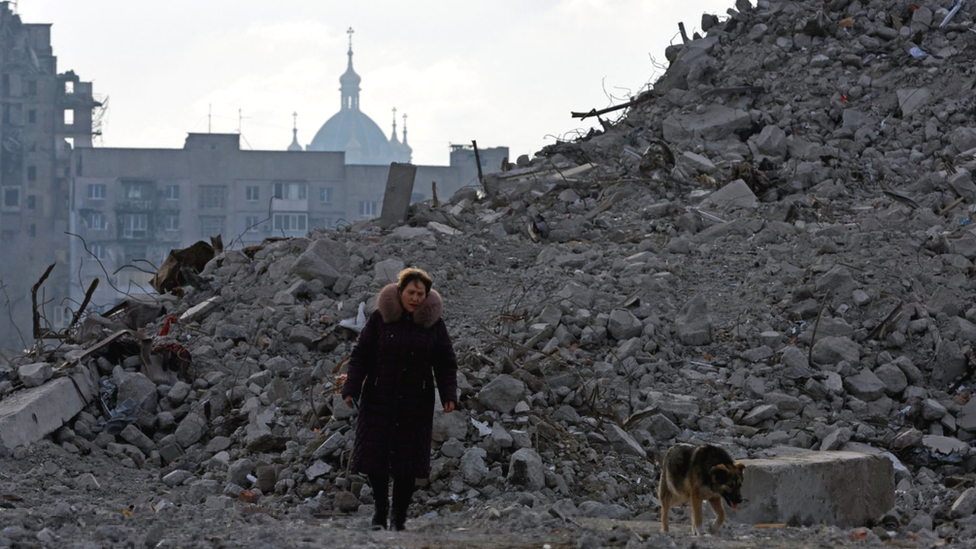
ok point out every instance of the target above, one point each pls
(773, 252)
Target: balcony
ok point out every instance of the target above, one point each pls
(285, 205)
(135, 234)
(167, 236)
(130, 205)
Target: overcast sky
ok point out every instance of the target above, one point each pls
(503, 72)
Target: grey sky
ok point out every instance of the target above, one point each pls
(504, 72)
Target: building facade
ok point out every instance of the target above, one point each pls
(130, 207)
(45, 114)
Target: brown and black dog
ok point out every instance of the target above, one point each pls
(697, 474)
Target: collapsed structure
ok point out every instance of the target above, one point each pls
(45, 115)
(771, 250)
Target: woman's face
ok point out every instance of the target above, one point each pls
(413, 295)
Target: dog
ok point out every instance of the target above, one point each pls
(697, 474)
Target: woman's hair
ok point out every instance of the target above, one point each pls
(410, 274)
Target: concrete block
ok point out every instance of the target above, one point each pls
(34, 375)
(29, 415)
(838, 488)
(714, 123)
(913, 99)
(735, 194)
(396, 199)
(200, 311)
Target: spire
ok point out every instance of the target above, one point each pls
(350, 32)
(393, 136)
(349, 81)
(405, 152)
(294, 133)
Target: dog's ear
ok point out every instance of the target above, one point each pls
(720, 474)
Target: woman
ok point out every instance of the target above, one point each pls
(402, 349)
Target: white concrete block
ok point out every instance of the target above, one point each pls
(29, 415)
(839, 488)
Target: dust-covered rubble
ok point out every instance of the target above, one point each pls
(772, 251)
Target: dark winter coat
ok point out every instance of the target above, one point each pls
(392, 372)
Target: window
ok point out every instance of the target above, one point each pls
(32, 87)
(69, 87)
(253, 194)
(172, 192)
(367, 208)
(11, 198)
(252, 223)
(96, 221)
(290, 222)
(172, 222)
(97, 250)
(31, 202)
(213, 196)
(132, 253)
(32, 116)
(96, 191)
(32, 230)
(132, 191)
(211, 225)
(32, 173)
(62, 315)
(291, 191)
(69, 117)
(135, 226)
(325, 195)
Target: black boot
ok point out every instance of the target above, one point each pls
(398, 519)
(379, 517)
(381, 497)
(403, 487)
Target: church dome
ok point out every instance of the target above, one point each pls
(350, 130)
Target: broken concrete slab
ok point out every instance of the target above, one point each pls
(713, 123)
(911, 100)
(694, 164)
(441, 228)
(33, 375)
(736, 194)
(200, 311)
(396, 199)
(311, 266)
(693, 323)
(839, 488)
(29, 415)
(407, 233)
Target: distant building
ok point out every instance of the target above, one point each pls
(130, 207)
(44, 115)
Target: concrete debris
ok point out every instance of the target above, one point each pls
(772, 251)
(843, 488)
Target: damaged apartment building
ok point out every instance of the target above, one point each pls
(126, 208)
(45, 114)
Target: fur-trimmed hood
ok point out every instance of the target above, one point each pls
(390, 308)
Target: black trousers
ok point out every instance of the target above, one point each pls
(403, 487)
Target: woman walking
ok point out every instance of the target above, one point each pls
(401, 351)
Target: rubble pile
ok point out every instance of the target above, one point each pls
(771, 250)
